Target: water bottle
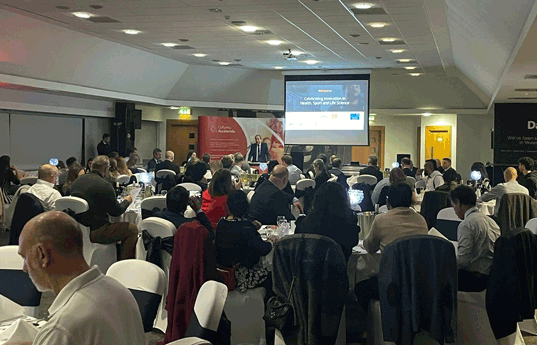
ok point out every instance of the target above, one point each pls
(281, 225)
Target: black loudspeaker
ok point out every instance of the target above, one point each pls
(245, 113)
(137, 119)
(122, 136)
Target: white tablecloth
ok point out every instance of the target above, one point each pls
(487, 207)
(32, 323)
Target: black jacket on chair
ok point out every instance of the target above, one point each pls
(268, 203)
(515, 211)
(27, 207)
(433, 202)
(512, 286)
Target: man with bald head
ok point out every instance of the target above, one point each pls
(102, 201)
(43, 189)
(269, 201)
(168, 163)
(510, 186)
(90, 308)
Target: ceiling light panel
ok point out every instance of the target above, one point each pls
(83, 15)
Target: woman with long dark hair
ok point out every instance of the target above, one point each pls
(74, 172)
(321, 173)
(9, 182)
(214, 198)
(331, 216)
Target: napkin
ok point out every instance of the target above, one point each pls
(9, 309)
(435, 232)
(135, 192)
(18, 331)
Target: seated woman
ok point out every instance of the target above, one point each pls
(132, 163)
(191, 155)
(214, 198)
(451, 181)
(484, 182)
(239, 245)
(113, 170)
(321, 173)
(88, 165)
(396, 175)
(122, 167)
(75, 171)
(195, 172)
(331, 216)
(9, 179)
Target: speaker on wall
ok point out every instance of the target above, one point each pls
(137, 119)
(122, 136)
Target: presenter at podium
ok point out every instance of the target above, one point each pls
(259, 152)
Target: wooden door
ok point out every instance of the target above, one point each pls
(376, 147)
(181, 137)
(437, 142)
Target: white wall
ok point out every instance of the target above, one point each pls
(145, 139)
(473, 141)
(400, 136)
(440, 120)
(95, 127)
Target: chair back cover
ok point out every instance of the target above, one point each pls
(303, 184)
(367, 202)
(15, 284)
(447, 223)
(411, 181)
(433, 202)
(320, 288)
(369, 179)
(76, 204)
(332, 179)
(532, 225)
(123, 179)
(165, 172)
(141, 170)
(421, 184)
(28, 181)
(418, 289)
(250, 195)
(27, 207)
(515, 211)
(191, 187)
(158, 227)
(148, 204)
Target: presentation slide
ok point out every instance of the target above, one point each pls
(327, 112)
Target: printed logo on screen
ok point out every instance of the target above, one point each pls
(214, 129)
(532, 125)
(355, 116)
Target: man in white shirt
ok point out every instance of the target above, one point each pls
(238, 160)
(43, 189)
(476, 235)
(510, 186)
(294, 171)
(434, 178)
(90, 308)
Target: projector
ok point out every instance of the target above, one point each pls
(289, 56)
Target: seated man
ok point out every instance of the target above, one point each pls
(71, 161)
(399, 221)
(168, 163)
(510, 186)
(433, 177)
(476, 235)
(177, 199)
(372, 168)
(336, 165)
(103, 203)
(294, 171)
(408, 169)
(237, 164)
(90, 308)
(269, 201)
(215, 166)
(152, 164)
(43, 189)
(227, 162)
(529, 176)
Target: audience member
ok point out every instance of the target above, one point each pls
(103, 203)
(380, 192)
(88, 165)
(113, 154)
(227, 162)
(294, 171)
(372, 168)
(407, 167)
(433, 178)
(237, 164)
(331, 216)
(269, 201)
(133, 162)
(446, 165)
(451, 180)
(399, 221)
(9, 182)
(167, 163)
(177, 200)
(43, 189)
(270, 166)
(103, 148)
(195, 173)
(483, 184)
(129, 152)
(321, 174)
(157, 156)
(476, 235)
(509, 187)
(61, 166)
(529, 177)
(62, 178)
(112, 172)
(239, 245)
(75, 171)
(336, 165)
(439, 165)
(206, 158)
(215, 166)
(191, 155)
(89, 307)
(122, 167)
(214, 199)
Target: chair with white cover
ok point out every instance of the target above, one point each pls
(302, 176)
(148, 204)
(447, 223)
(352, 180)
(532, 225)
(28, 181)
(190, 341)
(158, 227)
(311, 175)
(102, 255)
(421, 184)
(369, 179)
(191, 187)
(245, 310)
(303, 184)
(411, 181)
(250, 195)
(147, 283)
(332, 179)
(141, 170)
(164, 172)
(123, 179)
(15, 284)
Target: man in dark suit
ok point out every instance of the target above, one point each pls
(103, 203)
(103, 148)
(177, 199)
(336, 164)
(168, 163)
(259, 151)
(372, 168)
(269, 201)
(407, 167)
(157, 156)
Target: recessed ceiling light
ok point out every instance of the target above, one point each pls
(388, 39)
(278, 67)
(169, 44)
(404, 60)
(311, 62)
(131, 32)
(199, 55)
(274, 42)
(224, 63)
(296, 52)
(174, 108)
(363, 6)
(397, 51)
(426, 114)
(410, 67)
(415, 74)
(377, 25)
(83, 15)
(248, 28)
